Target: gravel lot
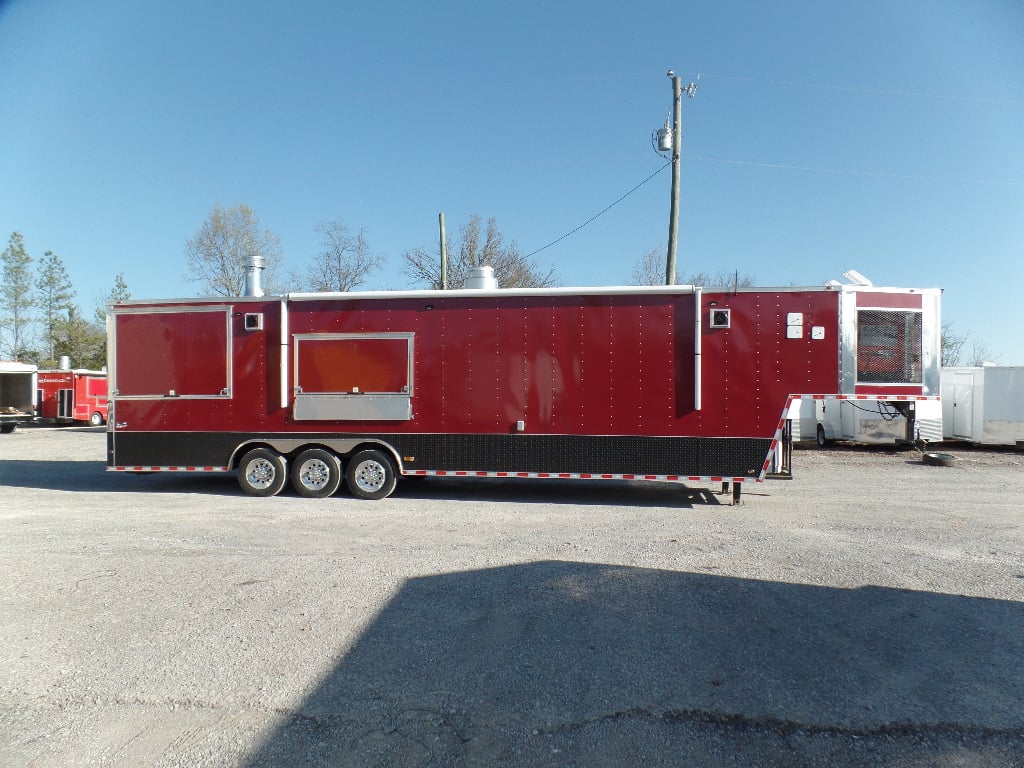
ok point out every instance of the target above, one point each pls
(869, 612)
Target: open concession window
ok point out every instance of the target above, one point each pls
(353, 376)
(889, 346)
(180, 352)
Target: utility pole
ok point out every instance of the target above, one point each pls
(677, 143)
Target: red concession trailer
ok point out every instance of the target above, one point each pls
(671, 383)
(860, 363)
(72, 396)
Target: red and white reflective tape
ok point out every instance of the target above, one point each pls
(168, 469)
(579, 476)
(864, 397)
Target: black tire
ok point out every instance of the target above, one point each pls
(262, 472)
(6, 429)
(316, 473)
(371, 475)
(96, 420)
(939, 459)
(820, 437)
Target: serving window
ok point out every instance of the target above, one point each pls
(353, 376)
(889, 347)
(180, 352)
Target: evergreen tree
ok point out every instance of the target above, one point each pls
(117, 294)
(84, 342)
(54, 295)
(16, 300)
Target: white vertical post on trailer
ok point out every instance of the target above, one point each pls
(284, 353)
(698, 296)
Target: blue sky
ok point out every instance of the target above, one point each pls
(878, 135)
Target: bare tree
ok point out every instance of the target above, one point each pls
(963, 349)
(981, 354)
(475, 248)
(649, 269)
(344, 261)
(951, 346)
(218, 253)
(730, 279)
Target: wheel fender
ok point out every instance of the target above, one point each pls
(380, 445)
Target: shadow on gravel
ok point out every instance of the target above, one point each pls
(564, 663)
(633, 493)
(83, 428)
(91, 476)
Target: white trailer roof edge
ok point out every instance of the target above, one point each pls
(14, 366)
(821, 288)
(683, 290)
(499, 292)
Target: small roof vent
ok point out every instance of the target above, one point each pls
(856, 277)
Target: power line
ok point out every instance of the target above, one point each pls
(600, 213)
(810, 169)
(853, 172)
(861, 89)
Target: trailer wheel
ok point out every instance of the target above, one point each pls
(96, 420)
(821, 439)
(6, 429)
(371, 475)
(316, 473)
(262, 472)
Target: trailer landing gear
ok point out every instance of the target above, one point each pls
(737, 490)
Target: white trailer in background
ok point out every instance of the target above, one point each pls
(984, 405)
(17, 394)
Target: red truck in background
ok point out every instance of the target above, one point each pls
(72, 396)
(672, 383)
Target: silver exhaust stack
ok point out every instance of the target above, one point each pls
(482, 278)
(254, 275)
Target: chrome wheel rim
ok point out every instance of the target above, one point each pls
(315, 474)
(370, 476)
(260, 474)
